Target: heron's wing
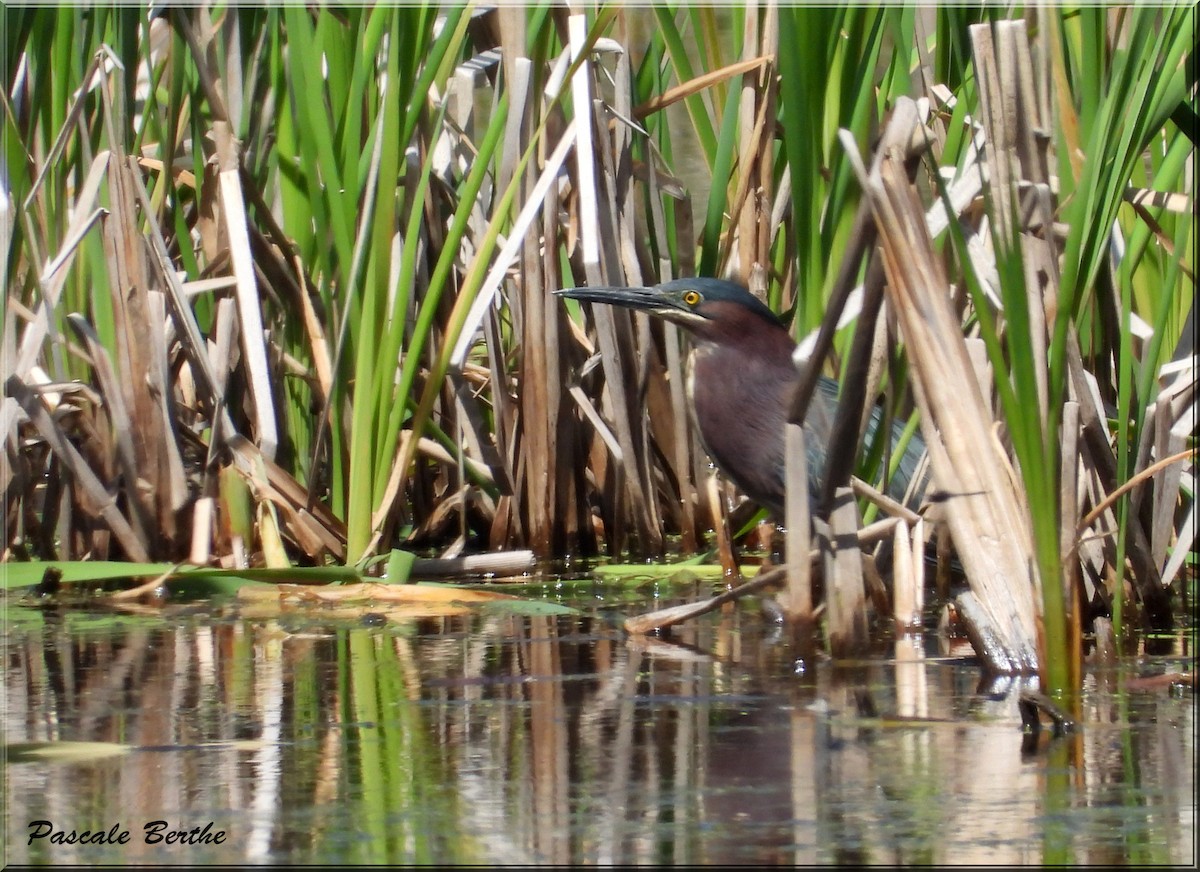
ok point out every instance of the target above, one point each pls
(911, 469)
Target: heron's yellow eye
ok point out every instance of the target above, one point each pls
(691, 297)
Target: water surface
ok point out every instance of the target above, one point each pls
(499, 738)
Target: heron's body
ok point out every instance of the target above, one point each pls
(741, 377)
(742, 426)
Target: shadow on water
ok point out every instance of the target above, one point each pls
(515, 739)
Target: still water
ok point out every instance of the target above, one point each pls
(232, 736)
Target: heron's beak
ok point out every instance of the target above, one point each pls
(652, 300)
(630, 298)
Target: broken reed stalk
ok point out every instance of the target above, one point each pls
(908, 577)
(1149, 472)
(984, 515)
(845, 595)
(501, 564)
(663, 618)
(1069, 509)
(92, 493)
(779, 575)
(798, 604)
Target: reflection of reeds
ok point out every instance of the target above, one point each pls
(277, 279)
(538, 740)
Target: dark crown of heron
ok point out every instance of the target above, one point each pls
(707, 298)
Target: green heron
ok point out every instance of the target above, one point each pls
(741, 376)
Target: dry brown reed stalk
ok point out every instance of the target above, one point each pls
(799, 602)
(985, 519)
(604, 264)
(546, 440)
(1098, 460)
(664, 618)
(846, 618)
(845, 595)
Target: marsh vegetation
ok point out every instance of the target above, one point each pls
(278, 285)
